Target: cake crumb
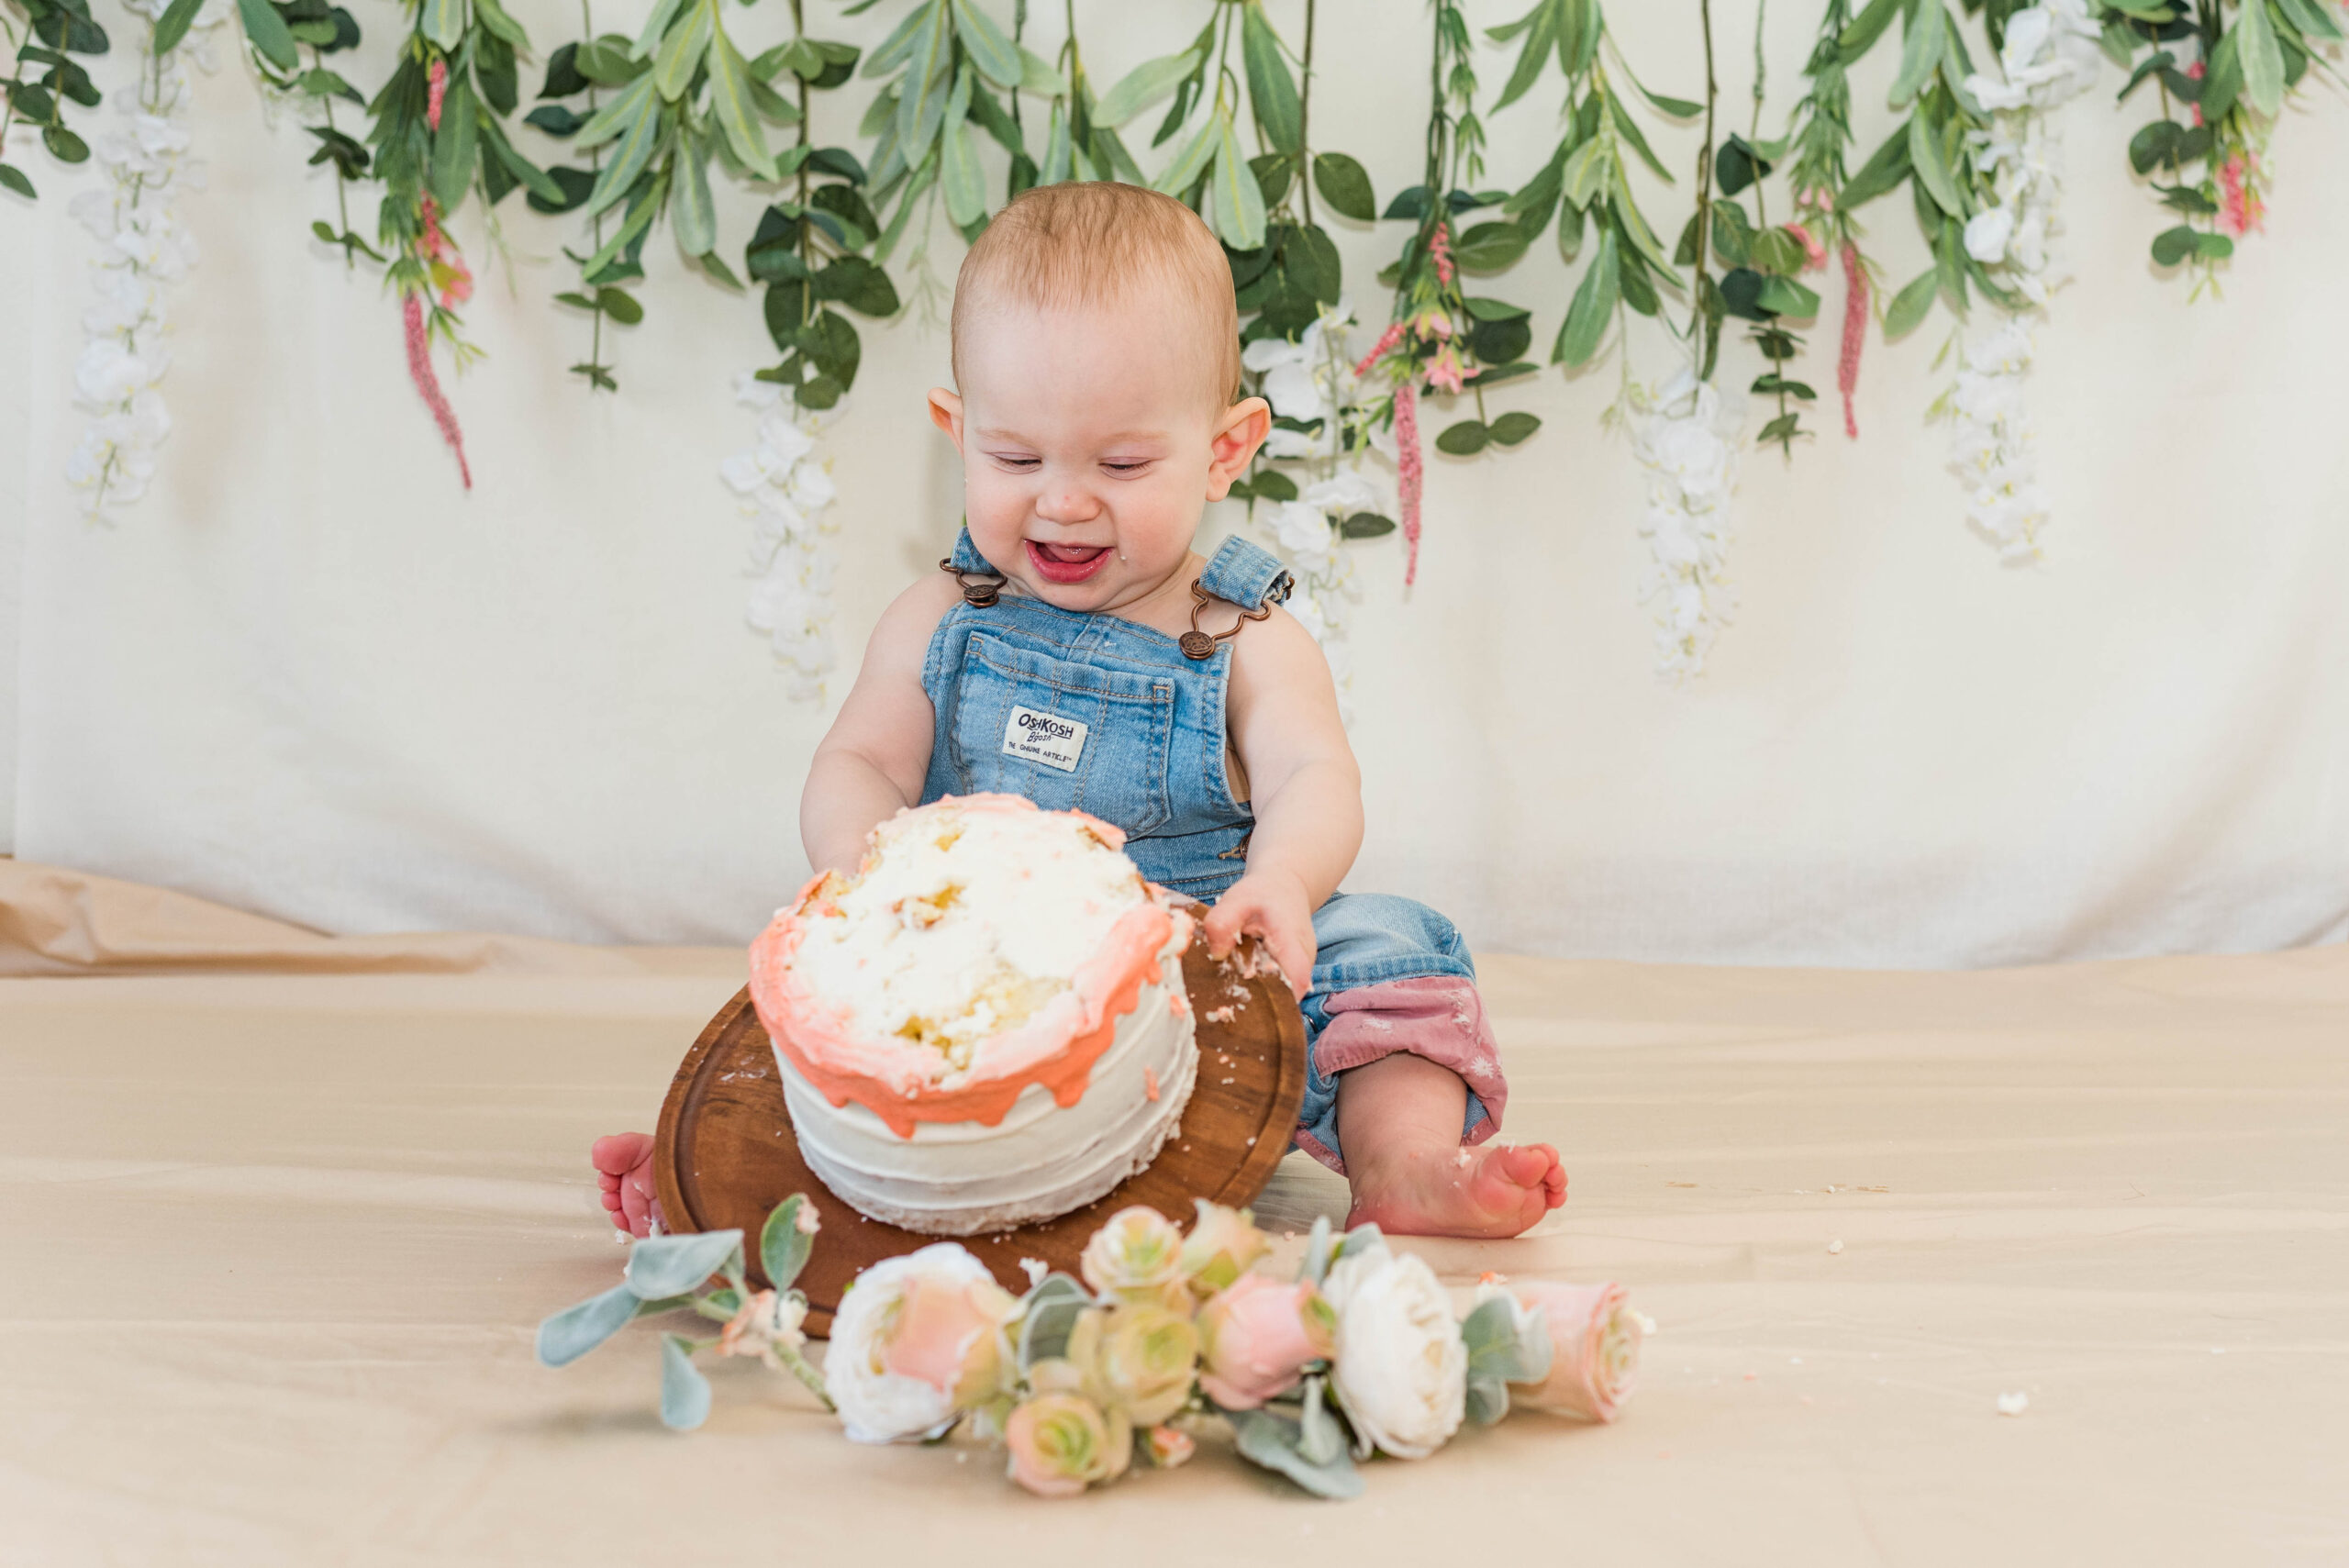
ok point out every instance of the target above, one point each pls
(1223, 1015)
(1035, 1269)
(1149, 1083)
(2013, 1404)
(1835, 1246)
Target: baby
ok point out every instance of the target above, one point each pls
(1096, 359)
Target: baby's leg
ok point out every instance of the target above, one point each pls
(1407, 1082)
(623, 1163)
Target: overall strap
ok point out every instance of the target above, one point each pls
(1246, 574)
(1240, 573)
(965, 563)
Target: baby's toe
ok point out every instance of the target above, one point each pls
(1528, 1167)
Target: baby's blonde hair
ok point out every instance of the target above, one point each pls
(1093, 243)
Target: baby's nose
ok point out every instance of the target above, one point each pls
(1068, 504)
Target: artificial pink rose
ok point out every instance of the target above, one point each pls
(1061, 1443)
(1593, 1349)
(948, 1334)
(1255, 1338)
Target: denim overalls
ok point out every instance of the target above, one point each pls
(1098, 714)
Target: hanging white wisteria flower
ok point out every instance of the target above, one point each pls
(1312, 381)
(1687, 436)
(784, 487)
(2050, 56)
(143, 249)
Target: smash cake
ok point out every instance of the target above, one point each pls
(987, 1025)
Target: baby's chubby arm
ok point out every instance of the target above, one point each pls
(873, 761)
(1306, 788)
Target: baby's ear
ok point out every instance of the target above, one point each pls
(946, 413)
(1237, 433)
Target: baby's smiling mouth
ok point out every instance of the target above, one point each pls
(1066, 563)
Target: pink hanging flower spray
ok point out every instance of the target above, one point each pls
(1855, 334)
(443, 259)
(1386, 339)
(1411, 470)
(1440, 249)
(2239, 209)
(419, 369)
(1814, 254)
(436, 89)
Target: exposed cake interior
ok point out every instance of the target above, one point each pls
(946, 944)
(983, 947)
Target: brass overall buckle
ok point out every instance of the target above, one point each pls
(982, 593)
(1198, 644)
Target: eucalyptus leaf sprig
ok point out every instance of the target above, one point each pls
(275, 36)
(944, 65)
(815, 249)
(1438, 337)
(673, 1273)
(1934, 152)
(1761, 263)
(1231, 191)
(1818, 143)
(48, 34)
(683, 96)
(1292, 279)
(2222, 85)
(1586, 185)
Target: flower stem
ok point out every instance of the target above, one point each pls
(809, 1378)
(594, 164)
(1702, 334)
(1304, 119)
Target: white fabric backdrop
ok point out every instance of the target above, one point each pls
(308, 676)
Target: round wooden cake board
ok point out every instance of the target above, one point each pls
(725, 1154)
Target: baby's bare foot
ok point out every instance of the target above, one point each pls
(623, 1164)
(1498, 1189)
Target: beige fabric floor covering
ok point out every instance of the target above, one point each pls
(280, 1241)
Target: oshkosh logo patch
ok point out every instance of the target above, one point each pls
(1042, 737)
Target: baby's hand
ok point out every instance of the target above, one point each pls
(1275, 906)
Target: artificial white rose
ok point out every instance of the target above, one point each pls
(877, 1405)
(1401, 1373)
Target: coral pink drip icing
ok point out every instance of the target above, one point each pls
(1057, 1048)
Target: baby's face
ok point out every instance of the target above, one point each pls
(1090, 447)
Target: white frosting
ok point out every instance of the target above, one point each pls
(1041, 1161)
(964, 922)
(968, 920)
